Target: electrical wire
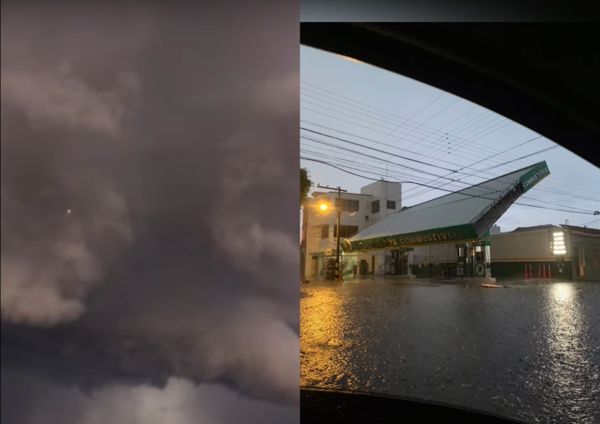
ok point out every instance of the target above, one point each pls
(450, 191)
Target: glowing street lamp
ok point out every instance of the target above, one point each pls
(324, 207)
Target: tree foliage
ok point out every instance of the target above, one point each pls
(305, 185)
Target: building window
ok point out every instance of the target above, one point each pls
(375, 206)
(352, 205)
(346, 230)
(391, 204)
(347, 205)
(366, 217)
(325, 231)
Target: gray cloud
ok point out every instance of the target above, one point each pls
(57, 97)
(179, 401)
(149, 164)
(47, 272)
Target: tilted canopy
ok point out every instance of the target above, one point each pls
(463, 215)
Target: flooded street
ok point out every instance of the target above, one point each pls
(529, 351)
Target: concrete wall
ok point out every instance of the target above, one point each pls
(383, 191)
(314, 220)
(523, 246)
(585, 255)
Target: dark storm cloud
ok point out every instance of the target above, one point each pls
(149, 187)
(177, 401)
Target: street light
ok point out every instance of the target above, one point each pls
(324, 207)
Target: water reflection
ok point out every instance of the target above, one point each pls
(567, 360)
(322, 322)
(531, 351)
(563, 292)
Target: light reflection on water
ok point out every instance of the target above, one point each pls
(324, 327)
(530, 351)
(569, 362)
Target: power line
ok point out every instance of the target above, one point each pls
(383, 151)
(409, 131)
(370, 107)
(494, 175)
(349, 100)
(402, 182)
(381, 143)
(346, 161)
(499, 153)
(591, 222)
(450, 191)
(427, 120)
(502, 164)
(413, 115)
(416, 153)
(520, 158)
(403, 157)
(354, 123)
(420, 126)
(381, 159)
(373, 108)
(438, 130)
(460, 127)
(441, 160)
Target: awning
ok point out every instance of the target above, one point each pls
(460, 216)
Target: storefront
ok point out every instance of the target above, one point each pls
(445, 237)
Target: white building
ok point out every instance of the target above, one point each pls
(375, 202)
(495, 230)
(445, 235)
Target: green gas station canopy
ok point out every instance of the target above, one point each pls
(460, 216)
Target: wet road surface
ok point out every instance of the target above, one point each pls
(529, 351)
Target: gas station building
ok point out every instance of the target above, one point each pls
(448, 236)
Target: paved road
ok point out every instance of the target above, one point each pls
(529, 351)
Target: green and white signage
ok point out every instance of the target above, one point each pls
(534, 175)
(437, 235)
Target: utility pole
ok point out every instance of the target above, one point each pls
(338, 265)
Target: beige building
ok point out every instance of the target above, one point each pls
(567, 251)
(374, 203)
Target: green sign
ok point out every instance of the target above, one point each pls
(438, 235)
(534, 176)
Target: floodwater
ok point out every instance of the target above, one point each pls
(529, 351)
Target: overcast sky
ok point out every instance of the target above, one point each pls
(363, 104)
(149, 213)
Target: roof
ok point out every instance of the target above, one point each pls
(578, 229)
(534, 227)
(344, 193)
(461, 215)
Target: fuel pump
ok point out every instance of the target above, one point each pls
(482, 259)
(488, 259)
(461, 259)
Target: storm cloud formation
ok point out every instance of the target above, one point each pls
(149, 216)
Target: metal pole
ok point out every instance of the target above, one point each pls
(338, 268)
(339, 219)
